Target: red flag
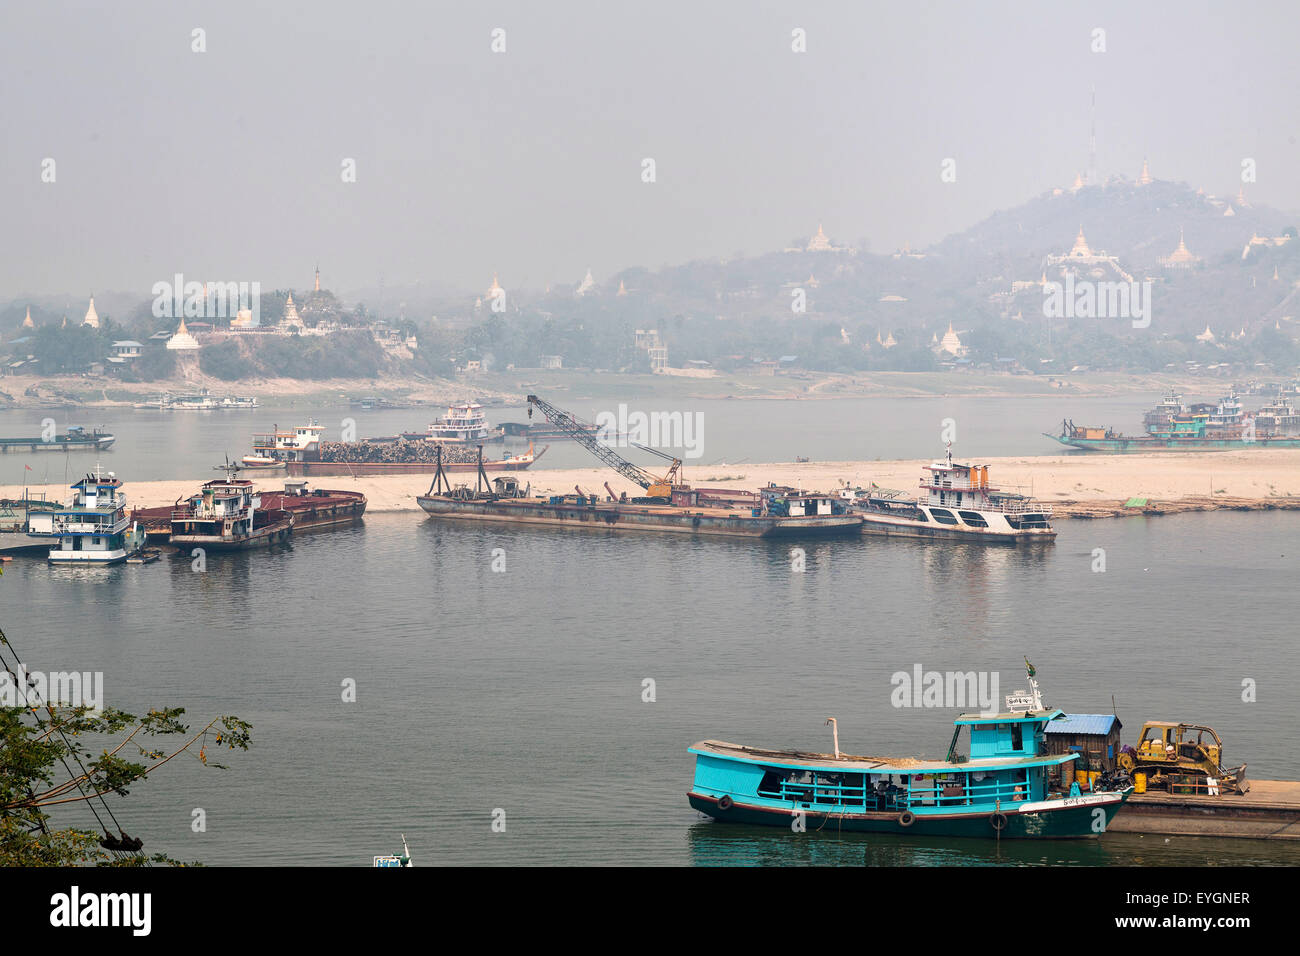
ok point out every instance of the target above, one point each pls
(28, 467)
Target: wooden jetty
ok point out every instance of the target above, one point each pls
(1270, 810)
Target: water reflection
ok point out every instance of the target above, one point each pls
(718, 844)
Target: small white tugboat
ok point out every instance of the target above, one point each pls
(959, 504)
(93, 528)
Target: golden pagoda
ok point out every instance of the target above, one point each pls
(1180, 258)
(1145, 178)
(496, 289)
(622, 289)
(317, 289)
(27, 322)
(819, 242)
(1081, 249)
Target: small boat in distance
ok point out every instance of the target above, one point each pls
(1176, 426)
(202, 402)
(74, 439)
(93, 528)
(959, 504)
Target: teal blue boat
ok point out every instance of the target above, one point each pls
(1003, 788)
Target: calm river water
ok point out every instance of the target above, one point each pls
(522, 690)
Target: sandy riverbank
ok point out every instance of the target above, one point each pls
(1081, 486)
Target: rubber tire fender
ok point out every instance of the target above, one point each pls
(906, 818)
(998, 821)
(725, 802)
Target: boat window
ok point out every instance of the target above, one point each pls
(974, 519)
(1017, 737)
(943, 516)
(771, 782)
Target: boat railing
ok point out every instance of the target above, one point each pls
(1014, 507)
(953, 793)
(831, 791)
(950, 484)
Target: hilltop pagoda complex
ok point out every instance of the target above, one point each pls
(1082, 259)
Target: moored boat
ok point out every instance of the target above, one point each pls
(15, 523)
(1176, 426)
(227, 515)
(310, 509)
(959, 504)
(464, 423)
(93, 528)
(76, 438)
(1002, 787)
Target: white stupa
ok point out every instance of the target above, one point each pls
(92, 317)
(182, 340)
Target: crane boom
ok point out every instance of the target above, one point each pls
(584, 433)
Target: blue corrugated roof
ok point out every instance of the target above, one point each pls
(1099, 724)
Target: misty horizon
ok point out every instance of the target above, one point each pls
(528, 163)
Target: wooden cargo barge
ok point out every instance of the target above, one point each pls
(1270, 810)
(588, 511)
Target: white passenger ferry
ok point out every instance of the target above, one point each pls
(465, 422)
(959, 504)
(93, 528)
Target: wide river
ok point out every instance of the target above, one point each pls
(522, 690)
(153, 445)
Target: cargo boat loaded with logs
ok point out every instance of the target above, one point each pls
(667, 506)
(302, 452)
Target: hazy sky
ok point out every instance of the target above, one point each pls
(225, 165)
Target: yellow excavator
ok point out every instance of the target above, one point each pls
(1182, 758)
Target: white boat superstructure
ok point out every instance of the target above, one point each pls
(464, 422)
(958, 503)
(93, 528)
(278, 447)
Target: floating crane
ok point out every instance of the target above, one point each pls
(584, 433)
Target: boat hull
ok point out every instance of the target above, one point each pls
(655, 518)
(310, 469)
(892, 526)
(83, 558)
(1069, 818)
(58, 443)
(264, 537)
(1136, 445)
(318, 512)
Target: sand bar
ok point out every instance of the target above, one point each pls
(1075, 485)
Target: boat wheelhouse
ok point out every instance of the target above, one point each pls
(93, 528)
(1004, 786)
(226, 515)
(959, 503)
(1276, 420)
(271, 450)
